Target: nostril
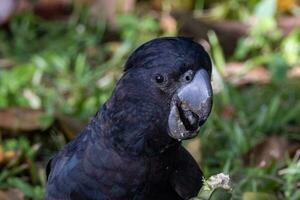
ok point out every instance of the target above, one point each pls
(202, 121)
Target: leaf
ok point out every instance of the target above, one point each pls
(18, 77)
(220, 193)
(21, 119)
(12, 194)
(217, 52)
(270, 149)
(240, 74)
(7, 156)
(28, 190)
(290, 47)
(80, 64)
(278, 67)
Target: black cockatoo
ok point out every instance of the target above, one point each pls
(131, 149)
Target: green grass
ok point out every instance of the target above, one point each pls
(259, 112)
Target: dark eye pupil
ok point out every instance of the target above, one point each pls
(159, 78)
(188, 78)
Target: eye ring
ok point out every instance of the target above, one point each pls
(160, 79)
(188, 77)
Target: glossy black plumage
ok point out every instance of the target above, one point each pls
(126, 152)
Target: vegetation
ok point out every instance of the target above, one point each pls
(68, 68)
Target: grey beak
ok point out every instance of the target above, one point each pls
(191, 106)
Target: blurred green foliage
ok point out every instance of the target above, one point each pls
(62, 61)
(266, 45)
(21, 164)
(258, 112)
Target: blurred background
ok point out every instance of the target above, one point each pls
(60, 59)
